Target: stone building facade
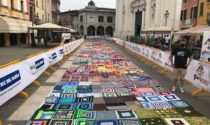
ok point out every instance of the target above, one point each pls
(47, 11)
(40, 8)
(14, 20)
(69, 19)
(55, 11)
(135, 17)
(91, 20)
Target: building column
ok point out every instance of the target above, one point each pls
(105, 31)
(6, 40)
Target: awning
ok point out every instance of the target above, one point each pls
(71, 30)
(198, 30)
(50, 26)
(11, 25)
(157, 30)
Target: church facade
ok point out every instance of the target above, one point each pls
(137, 17)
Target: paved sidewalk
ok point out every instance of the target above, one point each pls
(8, 54)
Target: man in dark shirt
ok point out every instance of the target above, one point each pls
(182, 60)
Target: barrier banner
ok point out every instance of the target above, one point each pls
(55, 55)
(119, 41)
(68, 48)
(199, 74)
(52, 57)
(205, 51)
(15, 78)
(167, 63)
(60, 52)
(33, 67)
(10, 80)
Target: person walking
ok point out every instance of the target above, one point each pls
(182, 59)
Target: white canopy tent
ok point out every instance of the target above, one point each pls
(157, 30)
(198, 30)
(50, 27)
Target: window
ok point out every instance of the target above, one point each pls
(31, 13)
(183, 14)
(194, 12)
(100, 19)
(21, 4)
(201, 9)
(81, 18)
(12, 4)
(109, 19)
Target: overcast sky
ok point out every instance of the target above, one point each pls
(79, 4)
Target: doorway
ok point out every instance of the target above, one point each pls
(138, 23)
(1, 40)
(13, 39)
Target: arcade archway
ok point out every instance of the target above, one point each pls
(91, 31)
(100, 31)
(109, 31)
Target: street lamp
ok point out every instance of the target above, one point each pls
(166, 16)
(208, 14)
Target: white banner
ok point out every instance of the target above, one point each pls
(198, 73)
(205, 52)
(10, 81)
(68, 48)
(65, 36)
(34, 67)
(55, 55)
(60, 52)
(15, 78)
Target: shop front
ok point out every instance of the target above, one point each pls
(13, 31)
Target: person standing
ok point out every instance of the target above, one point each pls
(183, 58)
(167, 41)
